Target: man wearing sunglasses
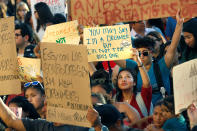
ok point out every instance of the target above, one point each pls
(23, 37)
(145, 47)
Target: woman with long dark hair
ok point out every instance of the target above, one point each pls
(127, 90)
(43, 16)
(188, 43)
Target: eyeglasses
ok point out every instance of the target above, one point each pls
(34, 83)
(145, 53)
(23, 10)
(98, 81)
(17, 35)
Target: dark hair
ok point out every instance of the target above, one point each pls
(158, 23)
(44, 13)
(109, 115)
(155, 34)
(27, 18)
(101, 77)
(100, 97)
(159, 103)
(119, 91)
(162, 46)
(58, 18)
(38, 87)
(27, 107)
(25, 30)
(169, 103)
(144, 42)
(191, 27)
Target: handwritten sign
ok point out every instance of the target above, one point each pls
(9, 80)
(29, 69)
(66, 80)
(113, 11)
(185, 85)
(56, 6)
(108, 43)
(65, 33)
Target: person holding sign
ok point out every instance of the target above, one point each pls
(10, 119)
(145, 46)
(192, 114)
(127, 91)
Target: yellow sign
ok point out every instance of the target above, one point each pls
(9, 80)
(67, 85)
(29, 69)
(64, 33)
(108, 43)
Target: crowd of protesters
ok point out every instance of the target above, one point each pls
(127, 95)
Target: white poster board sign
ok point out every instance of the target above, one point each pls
(185, 85)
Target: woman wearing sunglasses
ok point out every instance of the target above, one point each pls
(127, 90)
(35, 94)
(145, 47)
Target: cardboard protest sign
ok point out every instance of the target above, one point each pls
(29, 69)
(56, 6)
(108, 43)
(65, 33)
(185, 85)
(9, 80)
(67, 85)
(110, 12)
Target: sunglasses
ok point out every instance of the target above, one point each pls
(17, 35)
(34, 83)
(145, 53)
(98, 81)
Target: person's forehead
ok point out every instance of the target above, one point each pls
(157, 109)
(97, 89)
(18, 30)
(125, 72)
(164, 108)
(31, 90)
(185, 34)
(142, 49)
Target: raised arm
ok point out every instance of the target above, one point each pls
(94, 119)
(121, 63)
(9, 118)
(142, 70)
(169, 56)
(131, 112)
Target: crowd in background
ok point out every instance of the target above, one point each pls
(129, 95)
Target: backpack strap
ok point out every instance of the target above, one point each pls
(142, 105)
(159, 79)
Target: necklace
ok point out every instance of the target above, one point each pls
(127, 101)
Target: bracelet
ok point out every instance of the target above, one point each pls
(97, 122)
(141, 65)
